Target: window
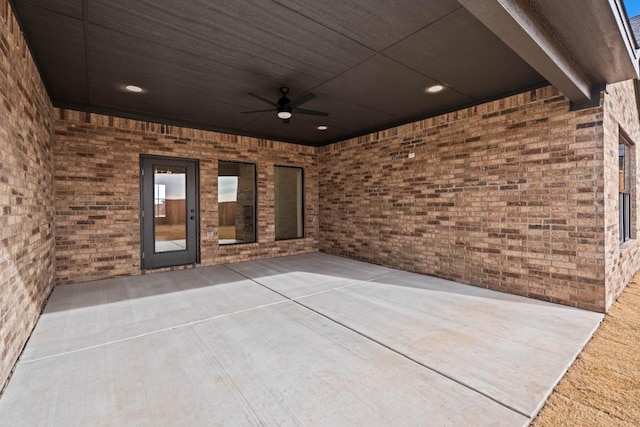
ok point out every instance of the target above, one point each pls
(236, 202)
(289, 201)
(626, 187)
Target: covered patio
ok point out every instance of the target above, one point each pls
(309, 339)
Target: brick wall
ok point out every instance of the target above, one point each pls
(620, 118)
(97, 192)
(26, 192)
(512, 195)
(505, 195)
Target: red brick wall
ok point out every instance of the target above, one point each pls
(621, 117)
(97, 192)
(505, 195)
(26, 192)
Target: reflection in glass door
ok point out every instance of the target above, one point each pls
(170, 194)
(169, 211)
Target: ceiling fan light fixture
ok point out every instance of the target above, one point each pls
(284, 115)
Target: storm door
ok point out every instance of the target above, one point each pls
(169, 211)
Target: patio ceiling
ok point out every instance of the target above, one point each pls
(367, 61)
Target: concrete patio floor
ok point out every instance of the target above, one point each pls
(310, 339)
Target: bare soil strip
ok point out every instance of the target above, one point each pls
(602, 387)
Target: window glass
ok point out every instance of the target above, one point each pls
(236, 202)
(626, 187)
(624, 165)
(169, 194)
(289, 202)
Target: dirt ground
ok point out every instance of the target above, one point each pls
(602, 387)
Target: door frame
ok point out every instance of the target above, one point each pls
(149, 258)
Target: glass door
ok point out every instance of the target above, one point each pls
(169, 211)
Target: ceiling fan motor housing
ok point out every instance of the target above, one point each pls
(284, 105)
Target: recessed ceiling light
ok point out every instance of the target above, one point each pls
(435, 89)
(133, 88)
(323, 127)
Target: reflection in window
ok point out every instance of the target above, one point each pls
(236, 202)
(289, 201)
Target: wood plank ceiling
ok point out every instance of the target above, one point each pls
(368, 61)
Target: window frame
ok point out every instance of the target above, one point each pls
(626, 182)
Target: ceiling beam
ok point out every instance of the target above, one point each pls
(519, 28)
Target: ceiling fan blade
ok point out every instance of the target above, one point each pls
(257, 111)
(302, 99)
(310, 112)
(268, 101)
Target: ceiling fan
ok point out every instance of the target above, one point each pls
(285, 107)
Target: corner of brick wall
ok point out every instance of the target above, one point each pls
(26, 192)
(620, 116)
(504, 195)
